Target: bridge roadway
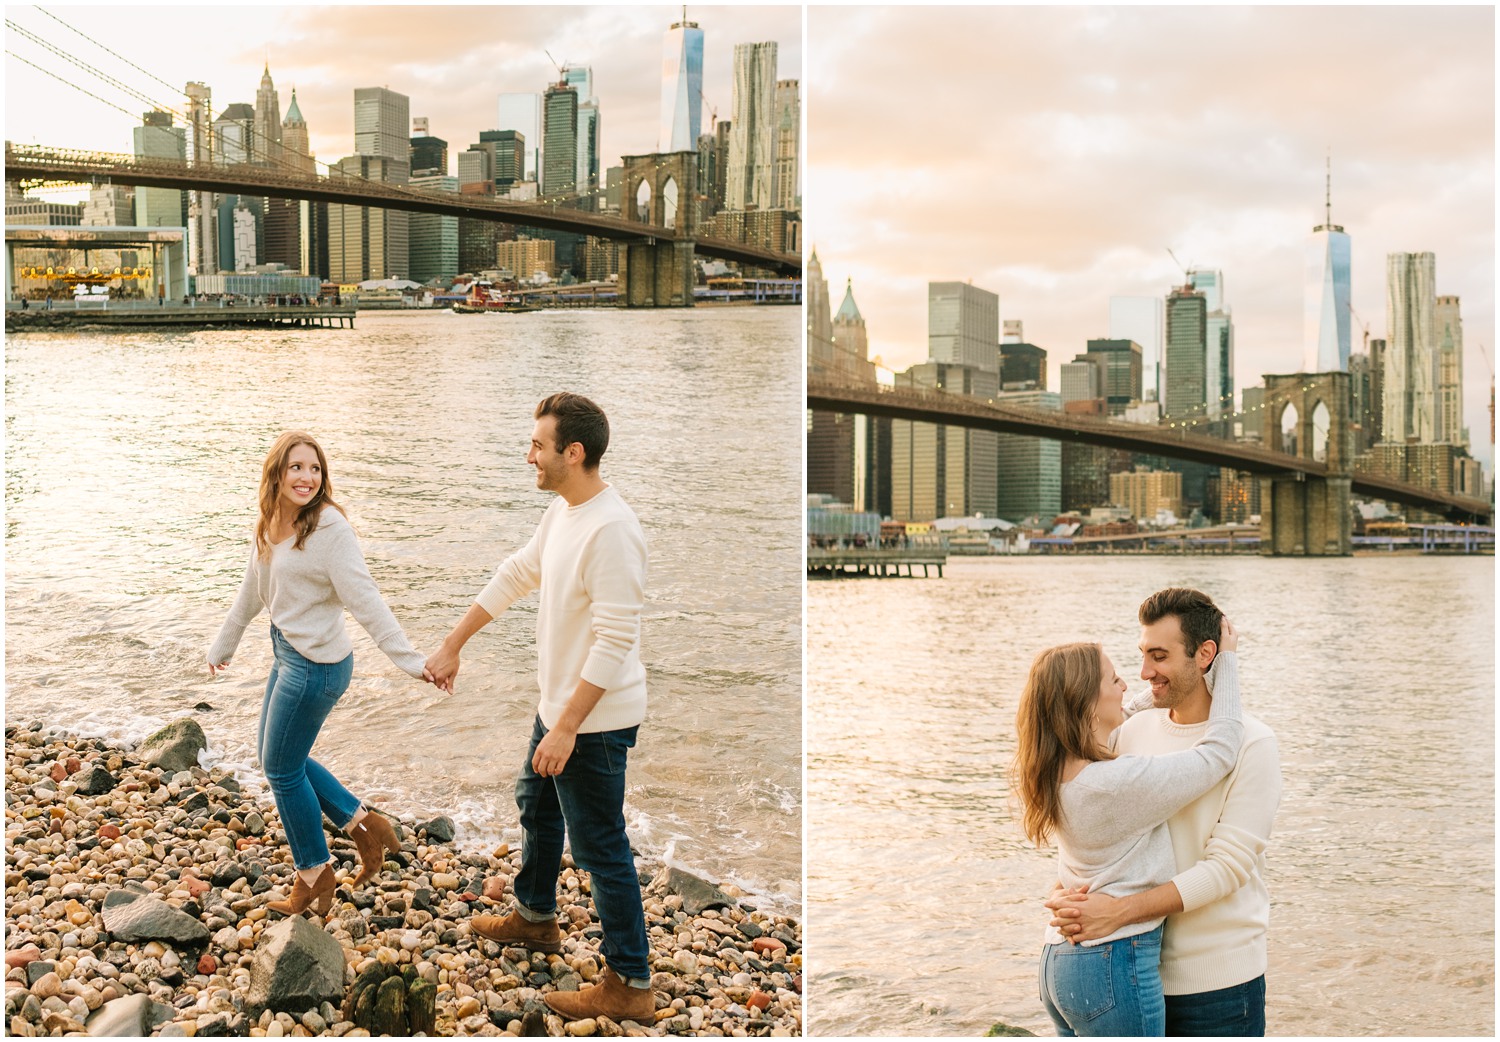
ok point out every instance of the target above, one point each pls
(39, 163)
(1176, 443)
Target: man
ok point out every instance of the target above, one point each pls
(1213, 955)
(588, 558)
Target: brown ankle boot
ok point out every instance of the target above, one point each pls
(372, 836)
(319, 895)
(517, 929)
(611, 998)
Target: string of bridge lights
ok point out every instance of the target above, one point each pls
(1271, 398)
(255, 149)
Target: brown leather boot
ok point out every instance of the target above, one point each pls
(611, 998)
(517, 929)
(319, 895)
(372, 836)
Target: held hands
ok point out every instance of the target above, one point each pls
(441, 669)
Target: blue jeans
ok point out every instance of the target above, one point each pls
(299, 696)
(1239, 1011)
(1105, 989)
(587, 801)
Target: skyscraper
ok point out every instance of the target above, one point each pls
(939, 470)
(433, 246)
(1219, 344)
(312, 217)
(1450, 352)
(1119, 365)
(267, 122)
(1325, 316)
(786, 190)
(559, 141)
(752, 136)
(427, 154)
(202, 256)
(281, 241)
(1186, 354)
(234, 135)
(381, 119)
(963, 325)
(156, 138)
(581, 79)
(1411, 357)
(367, 242)
(523, 114)
(681, 88)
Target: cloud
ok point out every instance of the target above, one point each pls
(1055, 154)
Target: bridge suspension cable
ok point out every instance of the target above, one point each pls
(105, 49)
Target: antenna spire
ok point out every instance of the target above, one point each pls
(1328, 190)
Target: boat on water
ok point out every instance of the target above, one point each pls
(483, 299)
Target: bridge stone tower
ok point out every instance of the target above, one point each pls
(1302, 515)
(659, 190)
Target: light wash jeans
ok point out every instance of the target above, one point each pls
(1105, 989)
(299, 696)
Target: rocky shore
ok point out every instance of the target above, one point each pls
(136, 885)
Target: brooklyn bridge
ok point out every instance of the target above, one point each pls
(1306, 507)
(658, 238)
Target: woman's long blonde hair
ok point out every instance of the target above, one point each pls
(1055, 721)
(271, 474)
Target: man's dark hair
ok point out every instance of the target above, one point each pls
(580, 420)
(1198, 615)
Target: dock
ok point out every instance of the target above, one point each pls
(151, 315)
(852, 562)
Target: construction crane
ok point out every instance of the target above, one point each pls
(1363, 325)
(1187, 271)
(562, 69)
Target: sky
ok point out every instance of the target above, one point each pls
(1053, 155)
(452, 62)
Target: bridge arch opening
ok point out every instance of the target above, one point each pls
(1320, 421)
(643, 203)
(1288, 424)
(669, 203)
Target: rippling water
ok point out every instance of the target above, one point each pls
(1377, 675)
(131, 468)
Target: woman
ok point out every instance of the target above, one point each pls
(306, 568)
(1109, 815)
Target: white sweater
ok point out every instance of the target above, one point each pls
(1113, 835)
(307, 591)
(1218, 843)
(589, 561)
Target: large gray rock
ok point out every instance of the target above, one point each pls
(297, 967)
(134, 1016)
(697, 895)
(439, 829)
(133, 916)
(94, 781)
(175, 746)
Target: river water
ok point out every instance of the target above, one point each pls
(1377, 674)
(131, 470)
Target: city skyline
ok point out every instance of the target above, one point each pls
(470, 56)
(1110, 135)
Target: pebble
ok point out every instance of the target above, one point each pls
(710, 969)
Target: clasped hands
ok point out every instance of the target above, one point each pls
(1082, 916)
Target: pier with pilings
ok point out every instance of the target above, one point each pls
(140, 314)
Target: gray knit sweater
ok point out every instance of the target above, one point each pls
(1113, 833)
(307, 591)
